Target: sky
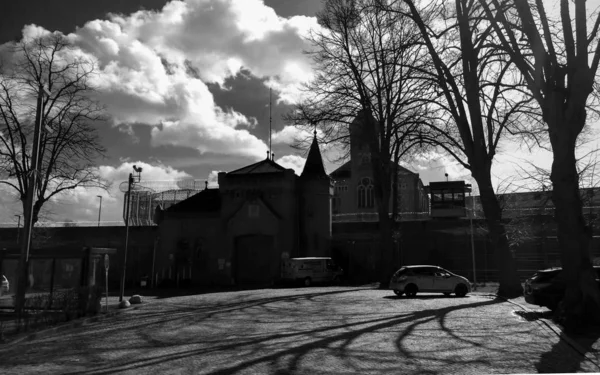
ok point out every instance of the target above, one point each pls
(186, 88)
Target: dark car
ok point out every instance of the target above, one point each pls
(547, 287)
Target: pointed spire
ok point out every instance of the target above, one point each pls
(313, 168)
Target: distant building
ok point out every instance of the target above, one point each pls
(448, 199)
(534, 203)
(239, 233)
(354, 196)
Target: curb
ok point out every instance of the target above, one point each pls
(556, 330)
(64, 327)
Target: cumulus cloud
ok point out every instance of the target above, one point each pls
(213, 179)
(154, 66)
(81, 204)
(432, 166)
(289, 134)
(294, 162)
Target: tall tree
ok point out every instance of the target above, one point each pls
(479, 103)
(366, 63)
(69, 144)
(558, 60)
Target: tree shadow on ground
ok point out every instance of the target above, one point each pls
(571, 352)
(426, 296)
(341, 335)
(299, 327)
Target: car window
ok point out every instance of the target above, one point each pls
(546, 276)
(425, 271)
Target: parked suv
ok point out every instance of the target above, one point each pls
(547, 287)
(423, 278)
(4, 286)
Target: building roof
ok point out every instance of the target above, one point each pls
(208, 200)
(264, 166)
(313, 168)
(345, 171)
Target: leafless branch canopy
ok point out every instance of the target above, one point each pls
(71, 147)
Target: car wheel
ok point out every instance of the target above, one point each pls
(307, 281)
(411, 290)
(398, 292)
(461, 290)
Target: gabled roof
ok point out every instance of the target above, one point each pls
(263, 166)
(345, 171)
(208, 200)
(313, 168)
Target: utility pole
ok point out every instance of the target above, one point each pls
(30, 201)
(470, 188)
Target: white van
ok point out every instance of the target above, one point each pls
(311, 270)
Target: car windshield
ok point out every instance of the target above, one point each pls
(401, 271)
(545, 276)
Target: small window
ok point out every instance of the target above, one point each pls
(365, 196)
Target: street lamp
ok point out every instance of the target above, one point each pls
(130, 181)
(18, 227)
(99, 209)
(468, 187)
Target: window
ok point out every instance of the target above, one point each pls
(365, 157)
(365, 193)
(336, 203)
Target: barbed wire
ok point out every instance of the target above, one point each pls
(45, 224)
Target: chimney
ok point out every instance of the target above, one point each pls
(272, 156)
(205, 184)
(268, 154)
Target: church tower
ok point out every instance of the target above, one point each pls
(316, 190)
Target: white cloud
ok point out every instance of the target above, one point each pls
(213, 179)
(432, 166)
(289, 134)
(154, 66)
(294, 162)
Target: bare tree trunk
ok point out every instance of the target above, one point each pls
(582, 298)
(510, 287)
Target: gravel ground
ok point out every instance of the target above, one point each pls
(328, 330)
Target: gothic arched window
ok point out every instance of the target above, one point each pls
(365, 193)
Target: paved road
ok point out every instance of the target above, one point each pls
(334, 330)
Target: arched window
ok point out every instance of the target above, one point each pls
(365, 193)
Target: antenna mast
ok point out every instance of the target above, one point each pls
(270, 149)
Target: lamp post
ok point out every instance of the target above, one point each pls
(130, 181)
(469, 188)
(18, 227)
(99, 209)
(30, 200)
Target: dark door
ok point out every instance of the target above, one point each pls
(255, 260)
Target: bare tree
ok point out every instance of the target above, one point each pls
(366, 63)
(69, 144)
(480, 102)
(558, 60)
